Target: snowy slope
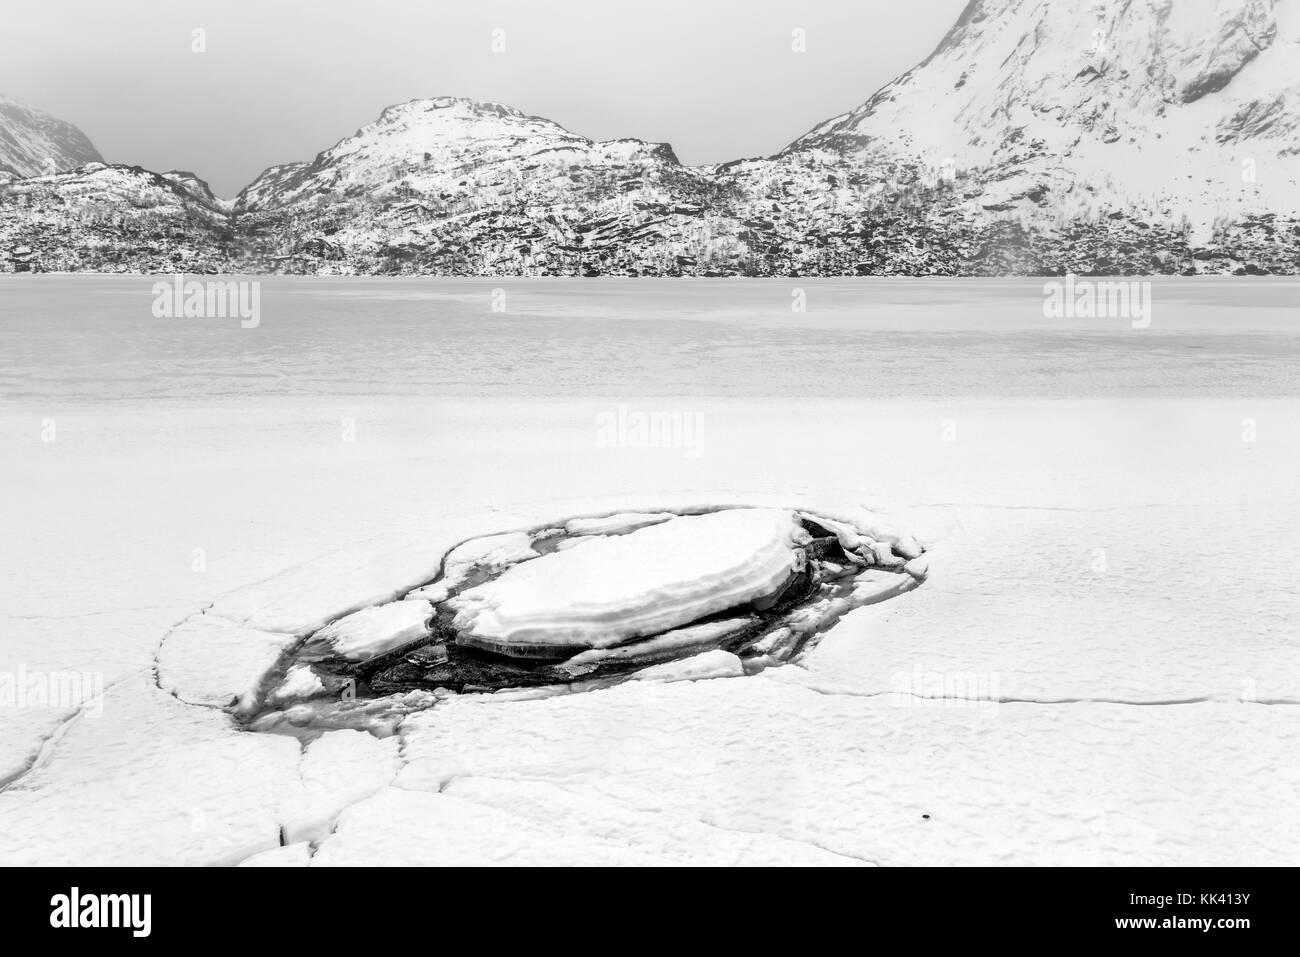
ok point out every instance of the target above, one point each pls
(111, 219)
(33, 143)
(1137, 137)
(1068, 108)
(448, 184)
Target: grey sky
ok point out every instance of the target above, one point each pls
(283, 79)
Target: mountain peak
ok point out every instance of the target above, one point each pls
(440, 145)
(457, 106)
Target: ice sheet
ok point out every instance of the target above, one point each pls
(1081, 552)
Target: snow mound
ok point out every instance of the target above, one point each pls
(630, 586)
(299, 683)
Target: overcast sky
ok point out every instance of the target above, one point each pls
(284, 79)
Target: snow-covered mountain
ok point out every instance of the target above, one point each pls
(33, 143)
(450, 185)
(1066, 115)
(63, 209)
(1127, 137)
(103, 218)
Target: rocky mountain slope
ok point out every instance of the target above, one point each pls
(62, 209)
(1132, 134)
(1125, 137)
(452, 186)
(33, 143)
(112, 219)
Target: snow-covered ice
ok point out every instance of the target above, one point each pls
(665, 645)
(709, 664)
(299, 682)
(338, 769)
(618, 522)
(630, 586)
(373, 631)
(489, 551)
(207, 659)
(1100, 668)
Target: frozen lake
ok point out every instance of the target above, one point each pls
(96, 338)
(1101, 668)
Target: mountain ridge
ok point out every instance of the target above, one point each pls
(1127, 138)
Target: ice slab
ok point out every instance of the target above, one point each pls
(629, 586)
(299, 683)
(373, 631)
(182, 786)
(338, 769)
(709, 664)
(210, 660)
(617, 523)
(490, 551)
(290, 855)
(667, 645)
